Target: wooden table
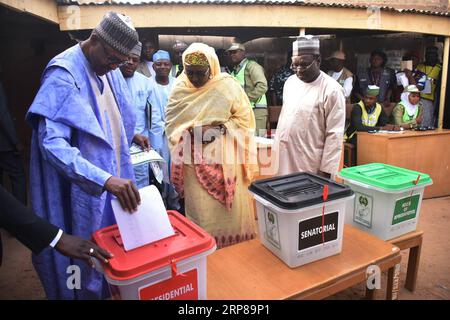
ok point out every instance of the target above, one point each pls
(423, 151)
(250, 271)
(413, 242)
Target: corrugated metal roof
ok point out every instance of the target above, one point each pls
(251, 2)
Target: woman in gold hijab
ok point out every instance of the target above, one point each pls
(210, 127)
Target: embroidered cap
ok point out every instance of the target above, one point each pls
(306, 45)
(196, 59)
(137, 49)
(118, 31)
(161, 55)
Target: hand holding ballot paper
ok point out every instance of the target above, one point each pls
(125, 191)
(139, 157)
(148, 224)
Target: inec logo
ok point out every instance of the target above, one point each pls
(272, 233)
(363, 201)
(363, 209)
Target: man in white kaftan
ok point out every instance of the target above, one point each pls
(310, 129)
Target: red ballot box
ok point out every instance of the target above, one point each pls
(172, 268)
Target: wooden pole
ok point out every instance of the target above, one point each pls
(444, 82)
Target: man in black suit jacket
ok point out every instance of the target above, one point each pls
(37, 233)
(11, 160)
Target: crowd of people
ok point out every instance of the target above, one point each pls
(401, 100)
(201, 115)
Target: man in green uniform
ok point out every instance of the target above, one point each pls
(251, 77)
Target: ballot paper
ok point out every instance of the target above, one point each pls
(402, 79)
(389, 131)
(157, 171)
(148, 224)
(139, 156)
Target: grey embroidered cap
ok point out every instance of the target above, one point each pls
(118, 31)
(306, 45)
(137, 49)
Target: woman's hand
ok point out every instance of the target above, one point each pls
(211, 133)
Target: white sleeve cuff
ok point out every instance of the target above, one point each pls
(348, 86)
(56, 239)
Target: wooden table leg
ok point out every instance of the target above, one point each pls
(413, 266)
(392, 282)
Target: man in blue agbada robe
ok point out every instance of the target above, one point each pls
(140, 90)
(83, 125)
(161, 87)
(150, 97)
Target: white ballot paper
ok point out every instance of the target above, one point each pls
(389, 131)
(139, 156)
(148, 224)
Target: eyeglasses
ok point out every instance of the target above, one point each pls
(111, 59)
(199, 74)
(298, 67)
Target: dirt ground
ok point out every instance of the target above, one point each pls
(18, 280)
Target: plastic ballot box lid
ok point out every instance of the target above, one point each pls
(298, 190)
(189, 240)
(385, 177)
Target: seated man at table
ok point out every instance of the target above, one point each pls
(368, 115)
